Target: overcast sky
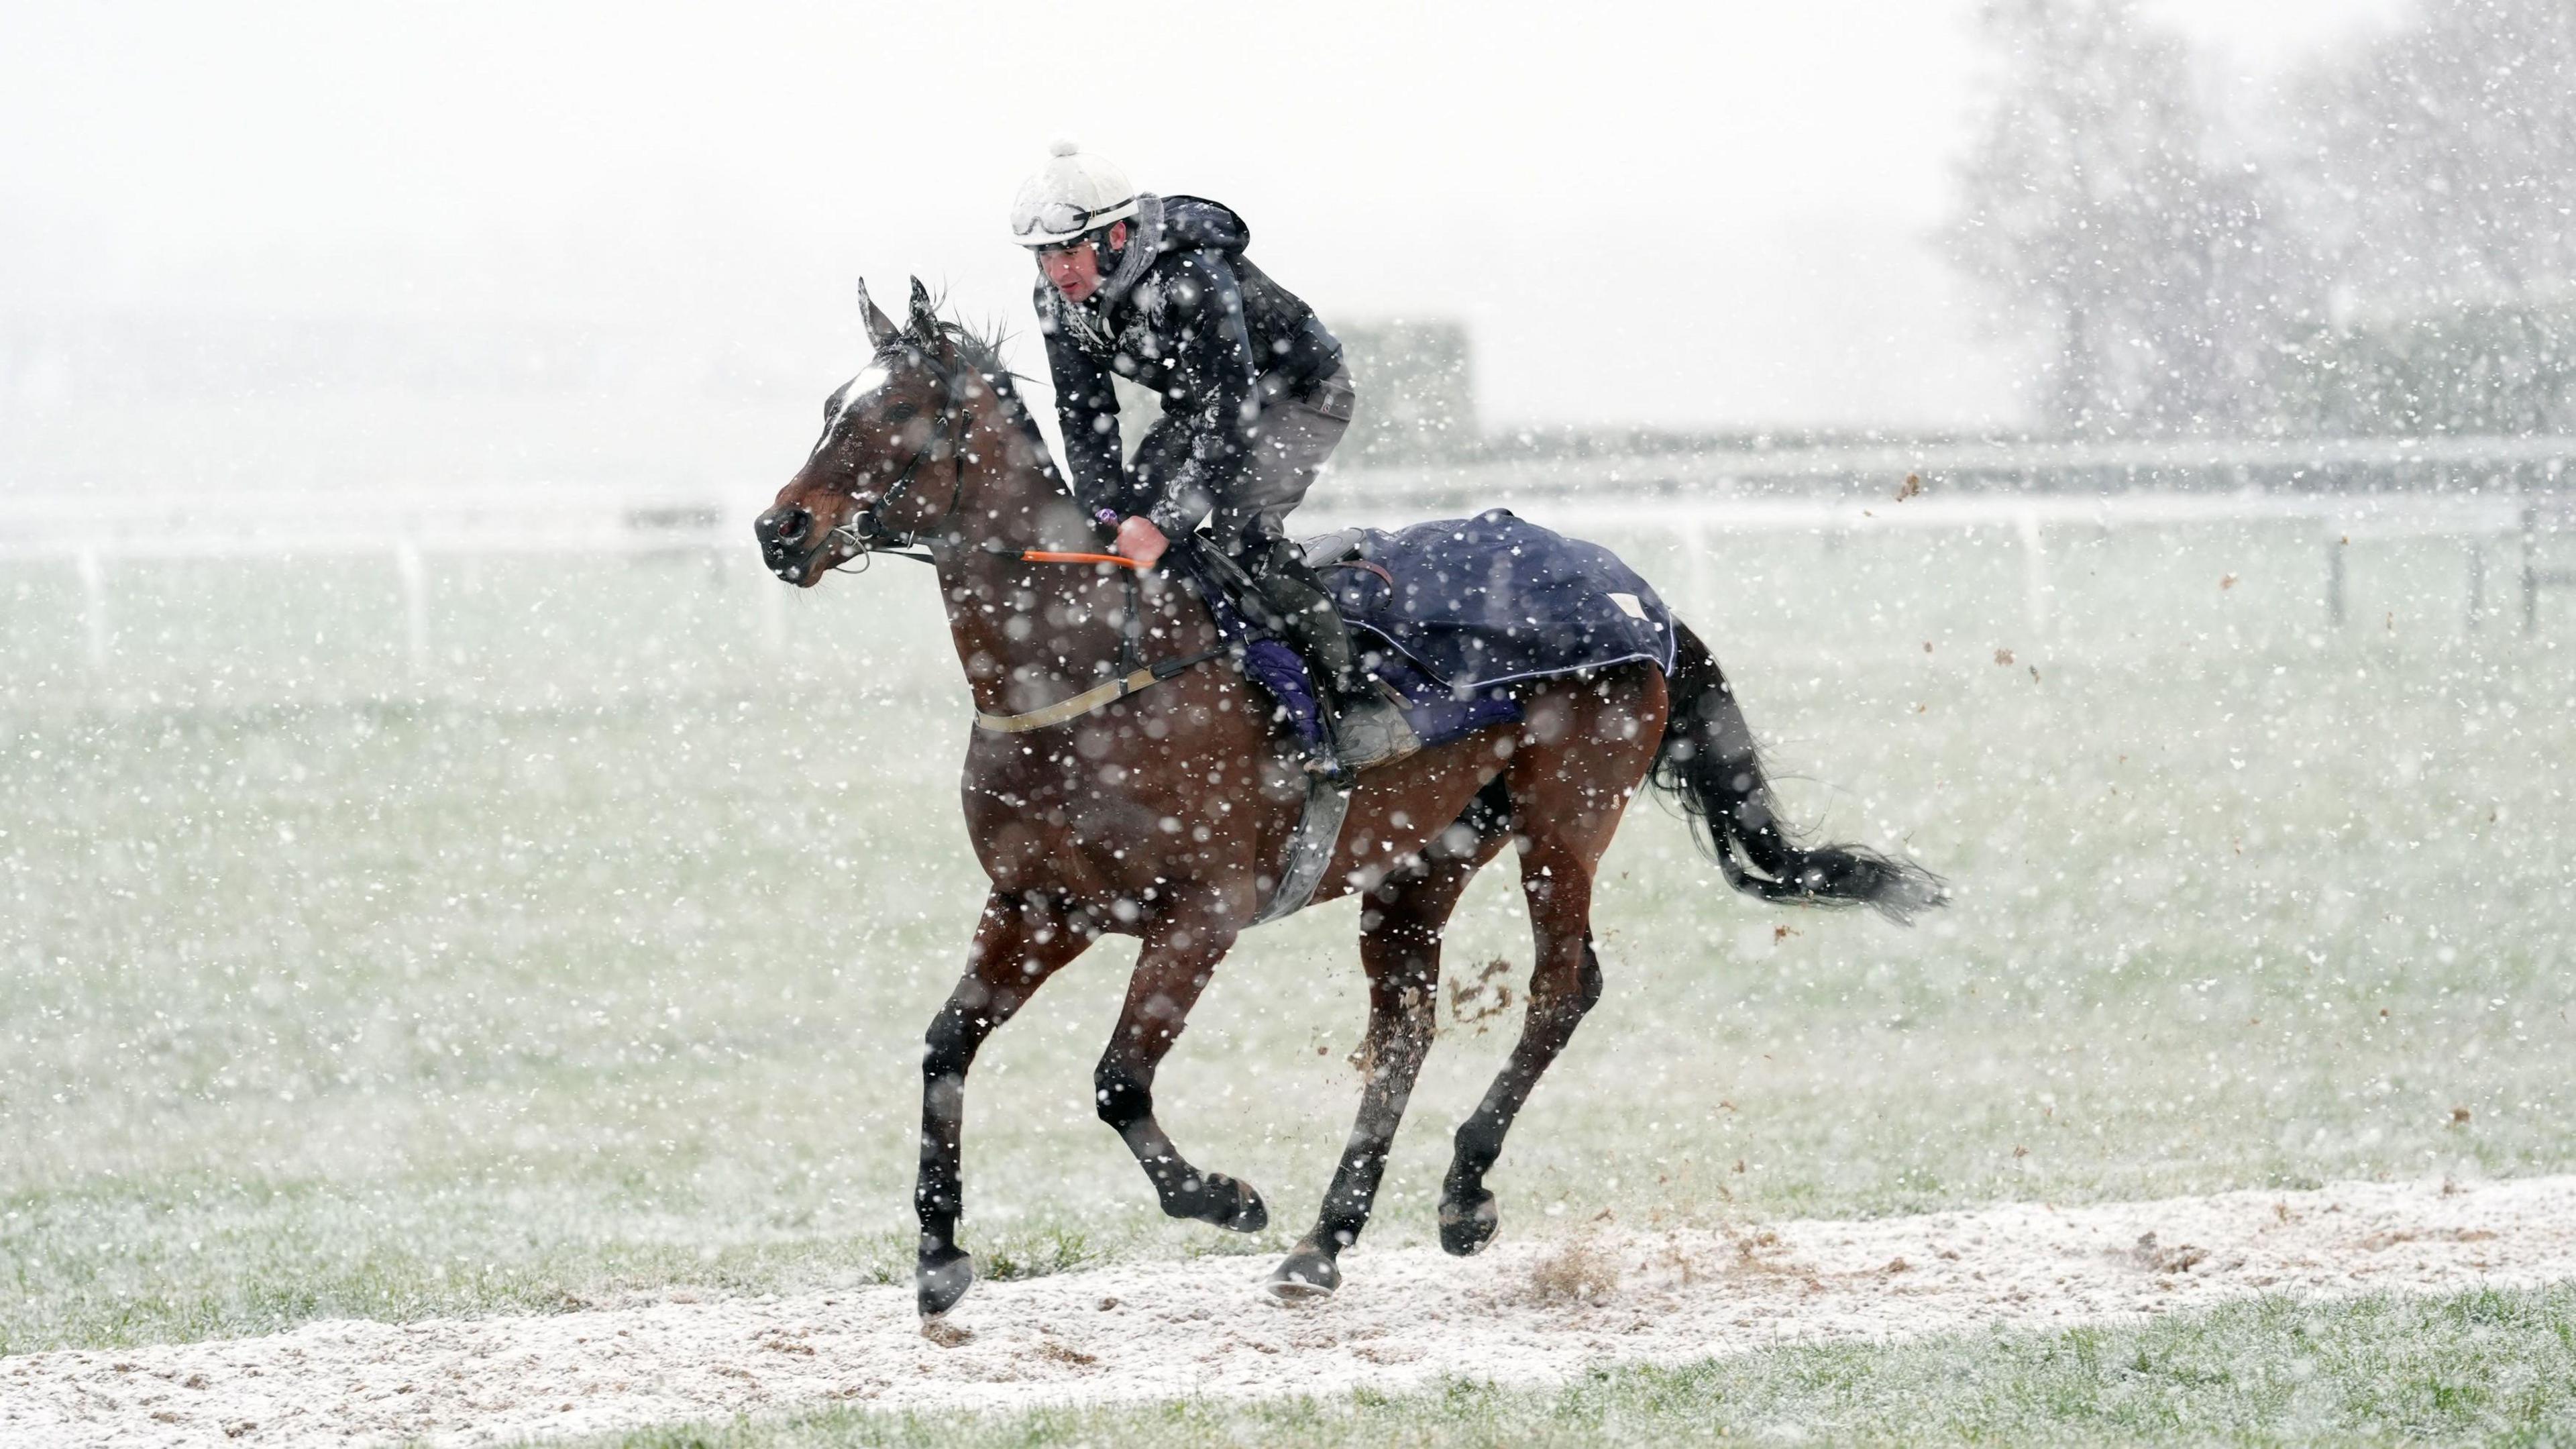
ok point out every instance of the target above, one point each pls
(1701, 214)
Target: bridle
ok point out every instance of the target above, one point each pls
(865, 532)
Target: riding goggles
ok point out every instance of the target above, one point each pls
(1064, 221)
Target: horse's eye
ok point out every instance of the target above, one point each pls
(900, 412)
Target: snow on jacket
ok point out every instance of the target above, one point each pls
(1188, 315)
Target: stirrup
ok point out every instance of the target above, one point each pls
(1371, 733)
(1323, 758)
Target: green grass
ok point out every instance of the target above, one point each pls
(2484, 1367)
(597, 960)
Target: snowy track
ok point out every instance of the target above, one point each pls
(1527, 1312)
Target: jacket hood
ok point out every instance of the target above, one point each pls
(1194, 223)
(1167, 224)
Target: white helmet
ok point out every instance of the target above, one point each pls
(1072, 194)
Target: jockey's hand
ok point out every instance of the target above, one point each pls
(1140, 540)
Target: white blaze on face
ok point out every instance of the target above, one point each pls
(870, 381)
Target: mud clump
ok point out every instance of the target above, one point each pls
(1473, 1002)
(2157, 1258)
(1580, 1272)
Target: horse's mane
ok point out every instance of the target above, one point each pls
(980, 347)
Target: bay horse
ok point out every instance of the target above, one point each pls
(1127, 780)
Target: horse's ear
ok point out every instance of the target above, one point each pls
(880, 327)
(925, 317)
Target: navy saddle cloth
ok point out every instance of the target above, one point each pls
(1475, 604)
(1450, 614)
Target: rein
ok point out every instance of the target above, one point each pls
(1026, 555)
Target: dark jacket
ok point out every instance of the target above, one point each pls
(1188, 315)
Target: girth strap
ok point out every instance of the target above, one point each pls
(1310, 849)
(1064, 710)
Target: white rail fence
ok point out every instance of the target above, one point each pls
(2492, 495)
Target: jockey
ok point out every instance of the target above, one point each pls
(1156, 289)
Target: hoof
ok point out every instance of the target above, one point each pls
(1466, 1228)
(942, 1278)
(1222, 1202)
(1250, 1213)
(1303, 1277)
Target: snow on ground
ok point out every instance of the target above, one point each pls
(1527, 1312)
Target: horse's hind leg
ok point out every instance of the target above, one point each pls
(1565, 981)
(1569, 783)
(1182, 948)
(1402, 925)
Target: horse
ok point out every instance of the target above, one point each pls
(1126, 779)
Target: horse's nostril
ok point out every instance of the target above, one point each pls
(784, 525)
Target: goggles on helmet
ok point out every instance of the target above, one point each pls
(1056, 218)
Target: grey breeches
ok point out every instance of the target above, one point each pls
(1297, 435)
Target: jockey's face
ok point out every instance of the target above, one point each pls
(1074, 268)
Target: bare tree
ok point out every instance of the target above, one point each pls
(2436, 165)
(2433, 170)
(2097, 219)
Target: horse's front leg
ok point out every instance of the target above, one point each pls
(1019, 943)
(1182, 946)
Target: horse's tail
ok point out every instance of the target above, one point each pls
(1709, 764)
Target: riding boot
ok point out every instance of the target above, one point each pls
(1367, 729)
